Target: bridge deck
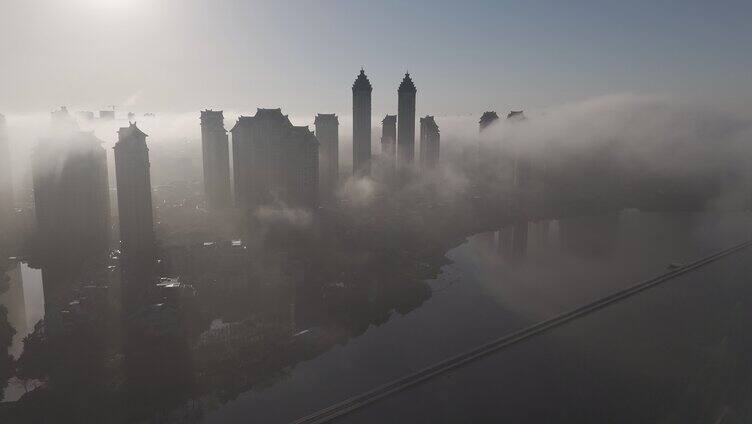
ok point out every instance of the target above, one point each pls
(480, 385)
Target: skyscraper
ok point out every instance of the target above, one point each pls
(327, 132)
(489, 156)
(406, 121)
(302, 170)
(274, 161)
(216, 156)
(6, 182)
(487, 119)
(389, 137)
(132, 170)
(361, 90)
(517, 115)
(429, 142)
(71, 195)
(71, 205)
(522, 164)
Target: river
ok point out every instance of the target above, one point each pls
(496, 282)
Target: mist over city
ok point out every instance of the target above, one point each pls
(337, 211)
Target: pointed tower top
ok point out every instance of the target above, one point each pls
(361, 82)
(407, 85)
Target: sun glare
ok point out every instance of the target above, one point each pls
(112, 5)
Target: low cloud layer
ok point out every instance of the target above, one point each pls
(279, 213)
(633, 135)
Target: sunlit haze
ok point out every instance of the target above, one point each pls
(341, 211)
(181, 55)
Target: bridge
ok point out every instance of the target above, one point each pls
(364, 399)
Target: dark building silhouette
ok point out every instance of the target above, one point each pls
(327, 132)
(6, 182)
(429, 142)
(389, 137)
(107, 115)
(216, 158)
(487, 119)
(132, 170)
(516, 114)
(522, 163)
(406, 121)
(274, 161)
(361, 90)
(301, 175)
(491, 156)
(71, 193)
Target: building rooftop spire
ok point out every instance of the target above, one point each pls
(407, 84)
(361, 82)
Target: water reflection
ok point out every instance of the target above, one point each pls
(15, 303)
(541, 267)
(234, 330)
(650, 359)
(228, 316)
(586, 235)
(24, 301)
(484, 293)
(512, 242)
(600, 237)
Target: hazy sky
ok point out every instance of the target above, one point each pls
(465, 57)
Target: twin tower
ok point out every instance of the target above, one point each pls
(267, 144)
(398, 134)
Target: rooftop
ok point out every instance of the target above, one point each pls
(430, 122)
(263, 114)
(407, 85)
(324, 117)
(516, 114)
(130, 134)
(208, 113)
(488, 116)
(71, 142)
(362, 83)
